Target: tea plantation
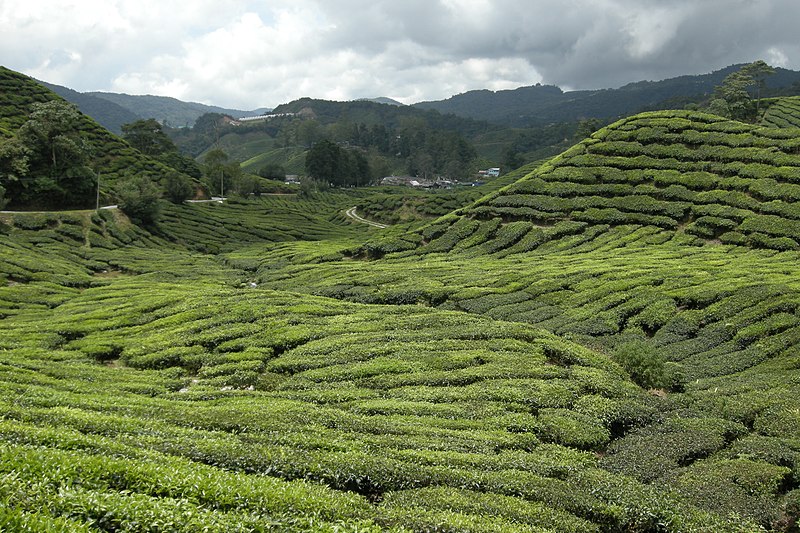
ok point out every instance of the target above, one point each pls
(609, 343)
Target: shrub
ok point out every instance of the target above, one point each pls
(644, 364)
(179, 188)
(138, 198)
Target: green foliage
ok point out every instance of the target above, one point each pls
(272, 171)
(271, 364)
(56, 153)
(179, 188)
(219, 172)
(148, 137)
(50, 154)
(733, 95)
(644, 364)
(327, 162)
(139, 199)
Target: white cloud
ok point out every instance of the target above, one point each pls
(252, 53)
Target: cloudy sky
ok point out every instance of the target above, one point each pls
(247, 54)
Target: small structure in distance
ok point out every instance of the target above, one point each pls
(490, 172)
(267, 116)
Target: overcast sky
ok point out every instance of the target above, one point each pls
(247, 54)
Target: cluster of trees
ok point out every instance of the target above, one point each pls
(54, 161)
(356, 154)
(367, 150)
(739, 96)
(46, 163)
(329, 163)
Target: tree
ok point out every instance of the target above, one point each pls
(248, 184)
(179, 187)
(323, 161)
(273, 171)
(220, 171)
(733, 92)
(14, 163)
(57, 154)
(138, 198)
(148, 137)
(758, 71)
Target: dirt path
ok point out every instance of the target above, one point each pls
(352, 214)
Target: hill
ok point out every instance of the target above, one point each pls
(697, 174)
(107, 155)
(539, 104)
(372, 113)
(609, 342)
(166, 110)
(108, 114)
(382, 100)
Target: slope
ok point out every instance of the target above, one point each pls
(538, 105)
(108, 114)
(668, 234)
(111, 157)
(489, 373)
(145, 384)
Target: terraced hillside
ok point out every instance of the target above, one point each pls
(147, 388)
(575, 352)
(111, 157)
(783, 113)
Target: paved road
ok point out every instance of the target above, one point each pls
(61, 210)
(352, 214)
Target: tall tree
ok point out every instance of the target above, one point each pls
(58, 155)
(758, 71)
(220, 171)
(733, 92)
(733, 98)
(14, 162)
(323, 161)
(148, 137)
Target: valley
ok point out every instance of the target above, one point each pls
(602, 341)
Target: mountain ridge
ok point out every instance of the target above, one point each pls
(541, 104)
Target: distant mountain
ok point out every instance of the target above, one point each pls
(168, 111)
(390, 116)
(381, 100)
(108, 114)
(543, 104)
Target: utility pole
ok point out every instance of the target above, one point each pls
(97, 197)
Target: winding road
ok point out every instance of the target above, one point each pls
(352, 214)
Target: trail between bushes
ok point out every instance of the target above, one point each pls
(352, 214)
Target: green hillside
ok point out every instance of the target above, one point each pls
(107, 155)
(108, 114)
(607, 343)
(689, 173)
(168, 111)
(783, 113)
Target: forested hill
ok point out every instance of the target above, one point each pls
(168, 111)
(51, 155)
(372, 113)
(108, 114)
(543, 104)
